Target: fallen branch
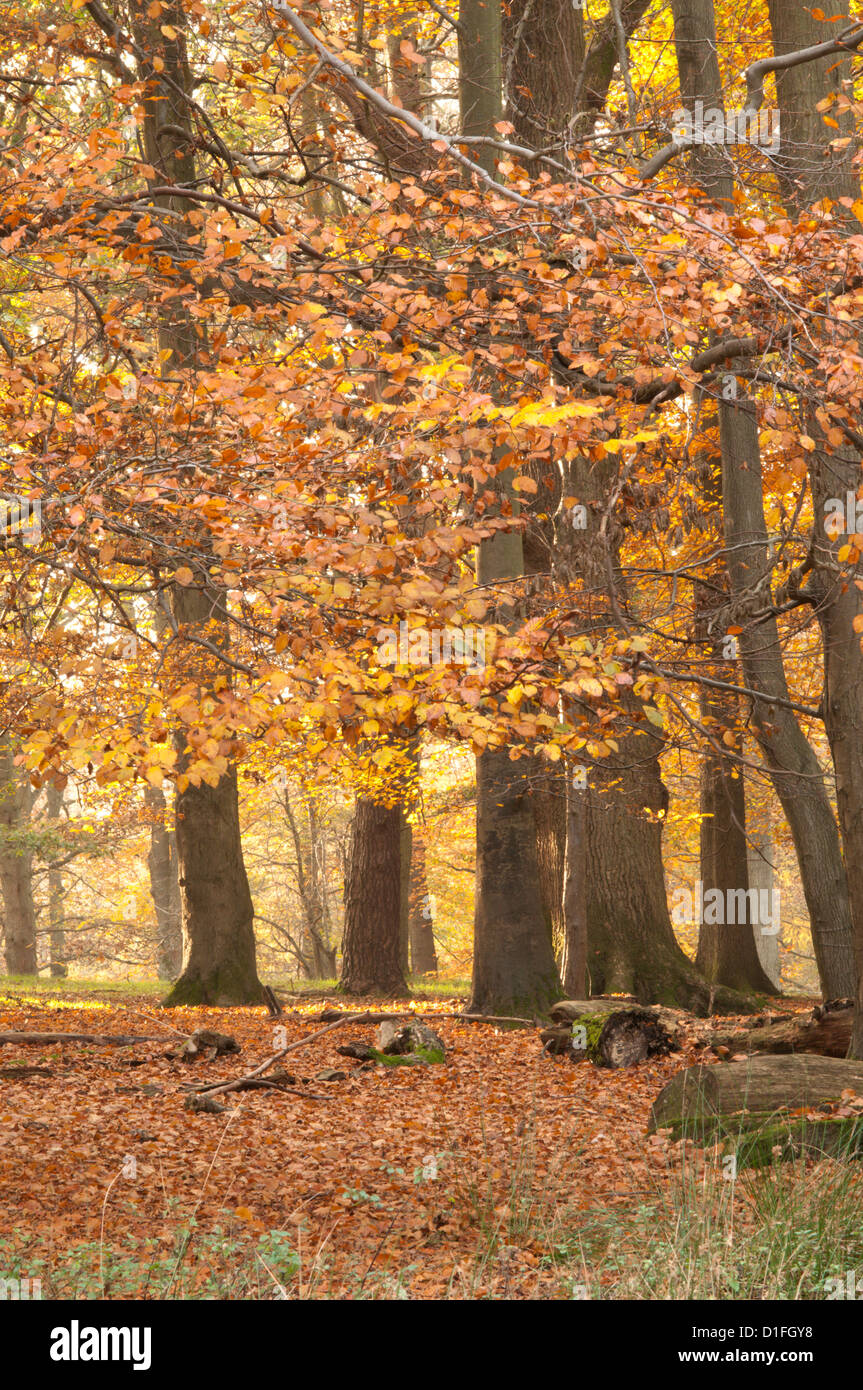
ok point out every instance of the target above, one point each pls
(97, 1039)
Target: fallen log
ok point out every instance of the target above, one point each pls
(609, 1037)
(825, 1033)
(22, 1073)
(760, 1086)
(96, 1039)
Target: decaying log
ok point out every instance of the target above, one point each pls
(826, 1033)
(96, 1039)
(760, 1086)
(610, 1036)
(22, 1073)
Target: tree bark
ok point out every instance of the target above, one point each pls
(218, 939)
(791, 761)
(760, 1084)
(811, 169)
(164, 887)
(422, 942)
(16, 864)
(371, 945)
(56, 896)
(513, 965)
(543, 47)
(762, 877)
(827, 1033)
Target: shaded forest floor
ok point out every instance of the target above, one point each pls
(500, 1174)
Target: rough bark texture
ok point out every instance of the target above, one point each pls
(217, 913)
(794, 768)
(164, 887)
(371, 946)
(218, 937)
(513, 969)
(760, 1084)
(811, 171)
(632, 948)
(16, 865)
(543, 46)
(827, 1034)
(613, 1038)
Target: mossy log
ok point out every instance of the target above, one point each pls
(608, 1036)
(826, 1033)
(761, 1086)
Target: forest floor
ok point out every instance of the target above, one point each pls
(502, 1173)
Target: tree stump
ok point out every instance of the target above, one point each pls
(608, 1036)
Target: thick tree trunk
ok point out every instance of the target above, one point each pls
(513, 968)
(794, 768)
(16, 864)
(218, 938)
(812, 169)
(371, 946)
(164, 887)
(632, 948)
(56, 896)
(421, 925)
(543, 48)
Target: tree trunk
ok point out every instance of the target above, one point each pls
(423, 953)
(218, 938)
(794, 768)
(727, 952)
(371, 946)
(575, 881)
(543, 46)
(405, 850)
(56, 896)
(217, 913)
(812, 169)
(548, 801)
(164, 887)
(16, 864)
(513, 965)
(762, 878)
